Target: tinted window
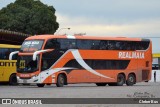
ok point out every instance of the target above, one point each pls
(52, 44)
(4, 52)
(142, 45)
(100, 64)
(49, 58)
(84, 44)
(96, 44)
(67, 43)
(25, 64)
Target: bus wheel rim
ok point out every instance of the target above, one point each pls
(131, 79)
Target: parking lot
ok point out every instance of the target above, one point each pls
(81, 91)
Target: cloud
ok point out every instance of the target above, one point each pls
(142, 28)
(84, 25)
(131, 18)
(114, 11)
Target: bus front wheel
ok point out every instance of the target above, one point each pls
(40, 85)
(131, 80)
(101, 84)
(60, 80)
(13, 80)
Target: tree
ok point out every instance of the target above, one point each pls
(29, 16)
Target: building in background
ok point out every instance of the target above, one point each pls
(155, 68)
(156, 61)
(11, 37)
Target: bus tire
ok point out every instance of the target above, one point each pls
(13, 80)
(131, 80)
(60, 80)
(101, 84)
(48, 84)
(120, 79)
(112, 84)
(40, 85)
(26, 84)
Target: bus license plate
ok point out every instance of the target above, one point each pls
(24, 81)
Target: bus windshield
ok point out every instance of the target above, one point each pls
(25, 64)
(31, 45)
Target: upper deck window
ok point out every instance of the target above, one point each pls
(96, 44)
(31, 45)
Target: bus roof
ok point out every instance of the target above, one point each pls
(9, 46)
(83, 37)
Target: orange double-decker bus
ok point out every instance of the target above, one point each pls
(62, 60)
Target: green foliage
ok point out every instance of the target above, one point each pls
(29, 16)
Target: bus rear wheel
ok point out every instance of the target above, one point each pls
(60, 80)
(120, 79)
(40, 85)
(101, 84)
(131, 80)
(13, 80)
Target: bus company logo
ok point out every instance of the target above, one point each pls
(6, 101)
(32, 43)
(131, 55)
(6, 64)
(21, 101)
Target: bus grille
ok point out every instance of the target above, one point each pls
(25, 77)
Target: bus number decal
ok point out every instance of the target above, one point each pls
(22, 64)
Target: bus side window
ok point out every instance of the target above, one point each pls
(95, 45)
(102, 45)
(6, 53)
(1, 53)
(111, 45)
(14, 57)
(52, 44)
(84, 44)
(118, 45)
(44, 64)
(71, 45)
(128, 46)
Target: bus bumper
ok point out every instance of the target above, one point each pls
(33, 79)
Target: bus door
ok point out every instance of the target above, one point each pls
(44, 67)
(48, 60)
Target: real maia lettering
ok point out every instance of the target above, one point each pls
(135, 55)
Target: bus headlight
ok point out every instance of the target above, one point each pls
(34, 76)
(17, 77)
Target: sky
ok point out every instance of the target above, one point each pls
(127, 18)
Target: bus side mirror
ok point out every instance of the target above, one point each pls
(12, 54)
(36, 53)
